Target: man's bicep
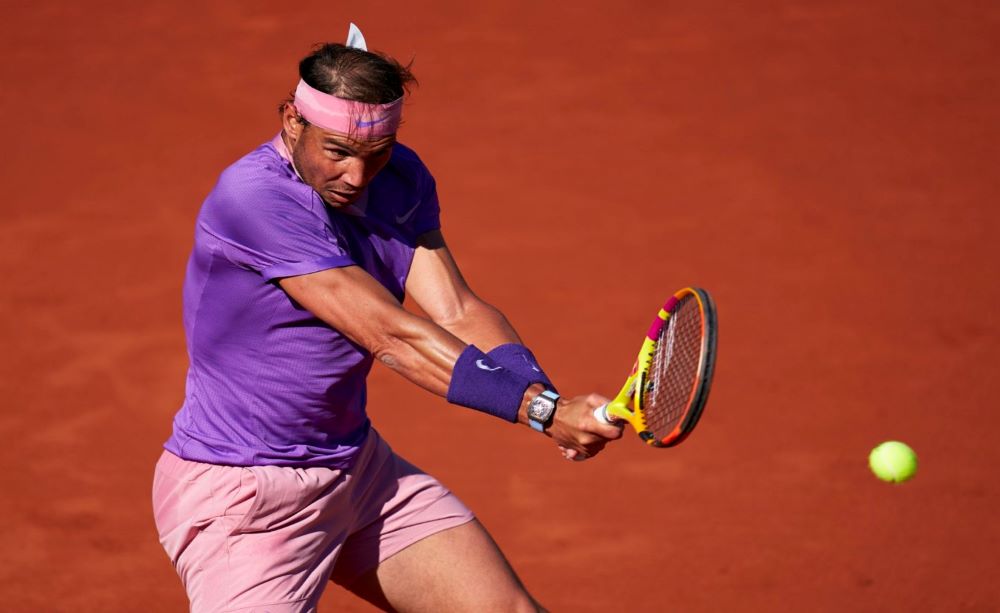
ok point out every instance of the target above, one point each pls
(435, 282)
(349, 300)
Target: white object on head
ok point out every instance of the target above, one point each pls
(355, 38)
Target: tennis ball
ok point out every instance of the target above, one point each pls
(893, 461)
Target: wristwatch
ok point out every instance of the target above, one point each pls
(541, 409)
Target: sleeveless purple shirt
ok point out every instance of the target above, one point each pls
(268, 382)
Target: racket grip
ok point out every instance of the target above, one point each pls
(601, 415)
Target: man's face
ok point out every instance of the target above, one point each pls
(337, 166)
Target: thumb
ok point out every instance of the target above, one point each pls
(607, 426)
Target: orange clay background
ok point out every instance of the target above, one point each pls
(828, 170)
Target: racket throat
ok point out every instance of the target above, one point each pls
(620, 412)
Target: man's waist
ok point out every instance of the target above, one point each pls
(217, 439)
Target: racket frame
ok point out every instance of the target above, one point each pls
(627, 405)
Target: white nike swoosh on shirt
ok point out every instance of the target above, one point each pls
(528, 362)
(483, 365)
(402, 218)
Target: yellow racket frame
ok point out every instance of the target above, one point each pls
(627, 405)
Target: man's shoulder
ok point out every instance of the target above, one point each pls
(256, 185)
(406, 163)
(260, 169)
(256, 179)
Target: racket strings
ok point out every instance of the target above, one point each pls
(674, 371)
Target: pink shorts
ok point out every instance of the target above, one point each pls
(242, 538)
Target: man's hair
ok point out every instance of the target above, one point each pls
(353, 74)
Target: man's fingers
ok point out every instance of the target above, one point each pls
(596, 400)
(589, 450)
(601, 423)
(573, 454)
(595, 448)
(578, 432)
(613, 431)
(609, 431)
(579, 455)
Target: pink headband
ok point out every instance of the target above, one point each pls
(358, 119)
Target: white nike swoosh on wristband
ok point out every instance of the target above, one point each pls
(402, 218)
(483, 366)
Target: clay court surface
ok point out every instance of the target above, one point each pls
(827, 170)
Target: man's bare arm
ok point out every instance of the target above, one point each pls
(353, 302)
(438, 287)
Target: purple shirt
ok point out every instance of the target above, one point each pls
(269, 383)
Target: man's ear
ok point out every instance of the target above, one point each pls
(292, 123)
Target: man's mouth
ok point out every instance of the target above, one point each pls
(342, 197)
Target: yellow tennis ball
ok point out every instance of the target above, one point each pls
(893, 461)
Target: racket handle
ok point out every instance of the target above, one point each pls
(601, 415)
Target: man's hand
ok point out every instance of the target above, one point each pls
(575, 430)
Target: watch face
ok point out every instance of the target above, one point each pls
(540, 408)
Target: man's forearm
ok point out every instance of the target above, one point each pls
(482, 325)
(426, 351)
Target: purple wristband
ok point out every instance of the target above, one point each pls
(520, 359)
(478, 382)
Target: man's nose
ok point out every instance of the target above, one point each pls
(354, 174)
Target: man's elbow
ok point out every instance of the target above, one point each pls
(390, 342)
(458, 312)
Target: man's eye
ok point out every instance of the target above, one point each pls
(338, 153)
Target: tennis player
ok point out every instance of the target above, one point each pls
(274, 482)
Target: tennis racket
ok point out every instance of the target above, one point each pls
(665, 394)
